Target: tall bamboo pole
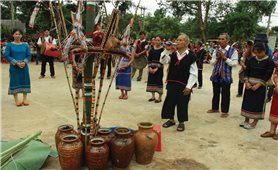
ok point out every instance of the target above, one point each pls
(75, 103)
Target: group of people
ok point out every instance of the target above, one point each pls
(185, 70)
(18, 54)
(183, 74)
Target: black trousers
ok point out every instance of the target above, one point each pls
(50, 60)
(175, 97)
(223, 89)
(240, 88)
(109, 63)
(140, 73)
(200, 78)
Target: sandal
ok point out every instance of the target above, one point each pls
(121, 97)
(157, 101)
(18, 105)
(169, 123)
(212, 111)
(242, 124)
(180, 127)
(275, 137)
(267, 135)
(25, 104)
(248, 126)
(125, 97)
(151, 99)
(224, 115)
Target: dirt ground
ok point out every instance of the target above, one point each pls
(209, 142)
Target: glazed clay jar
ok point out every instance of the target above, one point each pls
(106, 134)
(70, 152)
(145, 143)
(122, 147)
(61, 132)
(97, 154)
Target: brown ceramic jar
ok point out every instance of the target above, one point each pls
(106, 134)
(61, 132)
(97, 154)
(122, 147)
(145, 143)
(70, 152)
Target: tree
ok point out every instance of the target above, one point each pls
(160, 25)
(200, 10)
(275, 29)
(242, 22)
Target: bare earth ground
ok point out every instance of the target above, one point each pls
(209, 142)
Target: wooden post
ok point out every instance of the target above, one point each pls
(62, 18)
(268, 25)
(12, 14)
(91, 9)
(55, 23)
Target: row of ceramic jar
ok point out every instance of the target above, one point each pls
(120, 148)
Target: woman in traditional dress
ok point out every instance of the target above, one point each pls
(76, 70)
(273, 117)
(258, 71)
(18, 54)
(155, 76)
(123, 78)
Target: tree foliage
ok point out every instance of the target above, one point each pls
(213, 17)
(200, 10)
(242, 22)
(203, 19)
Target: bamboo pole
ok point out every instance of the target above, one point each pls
(76, 109)
(101, 112)
(93, 123)
(55, 23)
(108, 90)
(62, 18)
(94, 131)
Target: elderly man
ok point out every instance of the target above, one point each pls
(182, 75)
(224, 58)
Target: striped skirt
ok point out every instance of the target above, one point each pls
(253, 104)
(123, 78)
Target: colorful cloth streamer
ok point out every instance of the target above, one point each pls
(76, 33)
(34, 14)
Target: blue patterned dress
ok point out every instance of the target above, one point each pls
(19, 77)
(123, 78)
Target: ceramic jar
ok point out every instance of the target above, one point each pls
(62, 131)
(122, 147)
(106, 134)
(70, 152)
(97, 154)
(145, 143)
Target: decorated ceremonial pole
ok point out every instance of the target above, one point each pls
(125, 39)
(91, 10)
